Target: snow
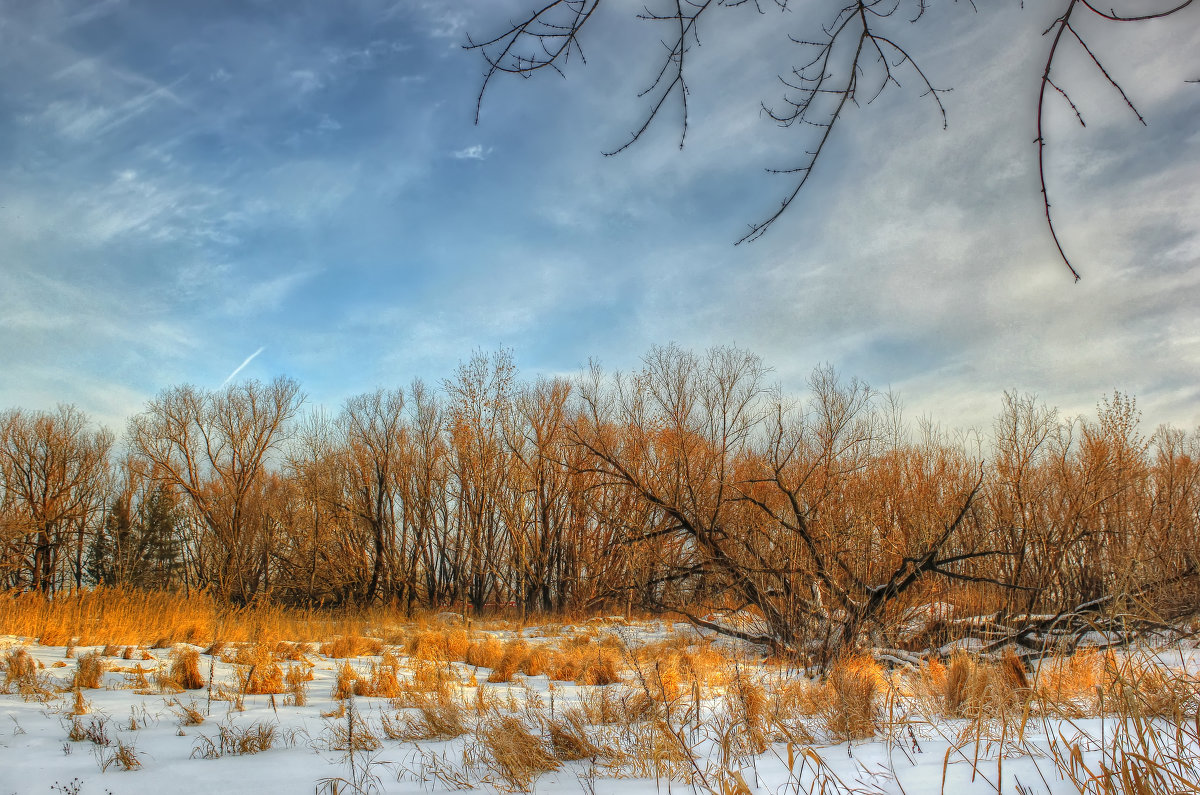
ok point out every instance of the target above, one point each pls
(917, 755)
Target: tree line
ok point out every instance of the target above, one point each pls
(690, 485)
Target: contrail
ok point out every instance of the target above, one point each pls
(249, 359)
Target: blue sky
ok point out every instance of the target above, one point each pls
(185, 184)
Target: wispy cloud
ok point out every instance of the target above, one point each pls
(475, 152)
(242, 366)
(308, 180)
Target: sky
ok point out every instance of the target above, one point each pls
(198, 192)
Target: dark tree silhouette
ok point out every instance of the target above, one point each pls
(854, 55)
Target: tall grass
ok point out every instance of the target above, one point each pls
(120, 616)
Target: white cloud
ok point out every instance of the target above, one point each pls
(305, 81)
(474, 152)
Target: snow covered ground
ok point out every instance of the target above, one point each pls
(911, 752)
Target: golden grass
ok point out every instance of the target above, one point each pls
(21, 674)
(569, 737)
(80, 705)
(849, 702)
(130, 617)
(354, 734)
(601, 666)
(516, 653)
(343, 684)
(1071, 681)
(604, 707)
(436, 716)
(185, 668)
(188, 714)
(124, 756)
(514, 753)
(383, 681)
(748, 710)
(96, 731)
(969, 687)
(439, 645)
(352, 646)
(1141, 688)
(286, 650)
(89, 672)
(259, 672)
(485, 653)
(233, 740)
(297, 679)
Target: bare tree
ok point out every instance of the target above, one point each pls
(805, 515)
(426, 493)
(55, 474)
(214, 447)
(373, 428)
(848, 54)
(479, 401)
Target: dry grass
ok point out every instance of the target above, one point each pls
(185, 668)
(89, 672)
(1141, 688)
(968, 687)
(130, 617)
(293, 652)
(439, 645)
(513, 753)
(188, 714)
(1150, 745)
(96, 731)
(258, 673)
(297, 679)
(485, 653)
(21, 674)
(637, 730)
(515, 655)
(601, 666)
(652, 749)
(1070, 682)
(124, 756)
(383, 681)
(848, 704)
(434, 717)
(80, 705)
(604, 707)
(352, 735)
(352, 646)
(569, 737)
(748, 710)
(19, 667)
(232, 740)
(344, 683)
(428, 677)
(135, 677)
